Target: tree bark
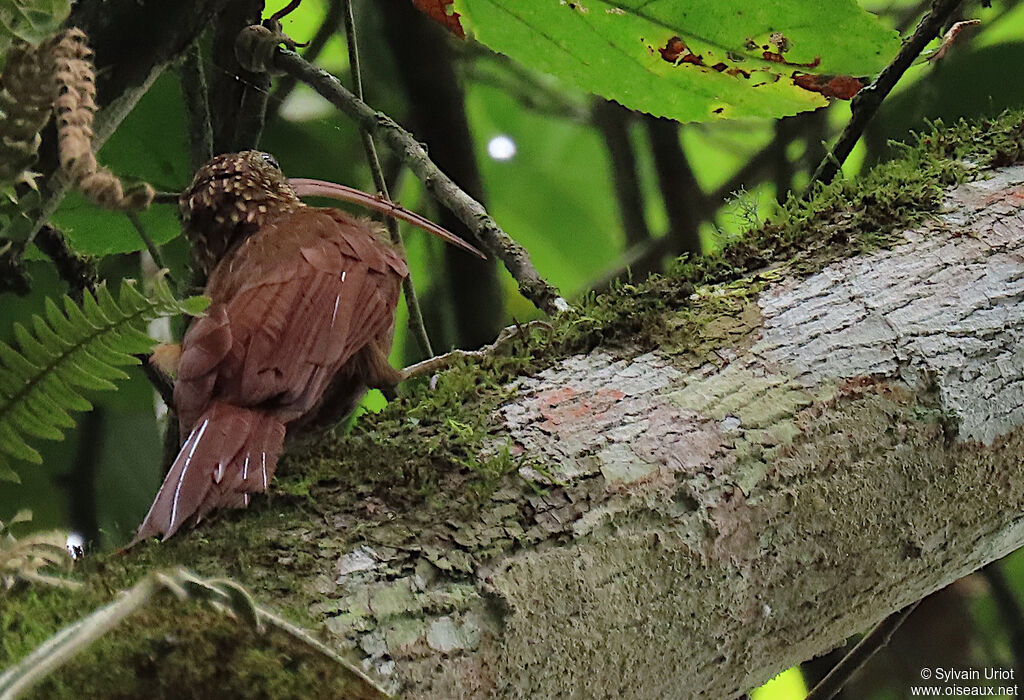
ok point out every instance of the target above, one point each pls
(684, 522)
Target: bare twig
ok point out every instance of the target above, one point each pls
(197, 108)
(859, 655)
(866, 102)
(154, 252)
(494, 240)
(161, 383)
(442, 362)
(416, 326)
(466, 303)
(326, 30)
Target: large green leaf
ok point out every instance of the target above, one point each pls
(614, 49)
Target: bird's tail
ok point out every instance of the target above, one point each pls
(231, 453)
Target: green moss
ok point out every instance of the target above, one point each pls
(423, 452)
(436, 457)
(843, 219)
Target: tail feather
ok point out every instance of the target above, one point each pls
(253, 467)
(231, 453)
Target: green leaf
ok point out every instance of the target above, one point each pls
(30, 20)
(57, 320)
(12, 444)
(31, 348)
(41, 404)
(195, 306)
(73, 373)
(32, 424)
(22, 516)
(15, 362)
(67, 351)
(614, 48)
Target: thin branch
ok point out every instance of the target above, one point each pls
(286, 10)
(467, 303)
(416, 326)
(161, 382)
(323, 34)
(866, 102)
(438, 363)
(494, 240)
(859, 655)
(154, 251)
(197, 108)
(78, 272)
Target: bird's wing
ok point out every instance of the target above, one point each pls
(290, 307)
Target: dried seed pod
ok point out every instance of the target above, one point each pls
(27, 92)
(74, 107)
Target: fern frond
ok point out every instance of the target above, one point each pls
(79, 348)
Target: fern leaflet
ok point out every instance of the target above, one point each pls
(70, 350)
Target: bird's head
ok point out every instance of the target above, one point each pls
(229, 199)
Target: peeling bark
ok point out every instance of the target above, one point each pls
(854, 445)
(687, 523)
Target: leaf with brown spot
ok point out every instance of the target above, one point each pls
(675, 50)
(779, 58)
(438, 10)
(689, 60)
(842, 87)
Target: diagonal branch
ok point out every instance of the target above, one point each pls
(860, 654)
(866, 102)
(494, 240)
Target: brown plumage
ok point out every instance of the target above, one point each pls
(303, 307)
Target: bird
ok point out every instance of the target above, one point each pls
(299, 326)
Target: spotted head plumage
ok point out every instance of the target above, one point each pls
(229, 199)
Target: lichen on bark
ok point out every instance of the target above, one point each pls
(684, 488)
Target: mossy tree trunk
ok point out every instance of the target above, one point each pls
(805, 450)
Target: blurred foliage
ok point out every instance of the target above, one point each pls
(30, 20)
(555, 193)
(23, 560)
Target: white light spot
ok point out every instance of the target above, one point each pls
(75, 544)
(501, 147)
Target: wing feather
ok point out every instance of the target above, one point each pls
(294, 314)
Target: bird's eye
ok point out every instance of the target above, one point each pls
(270, 160)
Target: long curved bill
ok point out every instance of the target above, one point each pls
(304, 187)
